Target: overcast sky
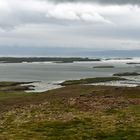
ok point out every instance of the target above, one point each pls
(96, 24)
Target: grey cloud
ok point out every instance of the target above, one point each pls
(46, 23)
(18, 12)
(119, 2)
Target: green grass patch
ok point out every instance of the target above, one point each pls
(91, 80)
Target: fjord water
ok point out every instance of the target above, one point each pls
(50, 73)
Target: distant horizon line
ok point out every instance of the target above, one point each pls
(41, 56)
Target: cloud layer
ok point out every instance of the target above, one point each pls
(19, 12)
(118, 2)
(99, 24)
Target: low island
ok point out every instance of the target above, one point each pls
(106, 67)
(127, 74)
(46, 59)
(133, 63)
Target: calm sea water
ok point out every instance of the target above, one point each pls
(50, 73)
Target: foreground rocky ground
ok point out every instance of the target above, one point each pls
(75, 112)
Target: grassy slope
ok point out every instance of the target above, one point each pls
(76, 112)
